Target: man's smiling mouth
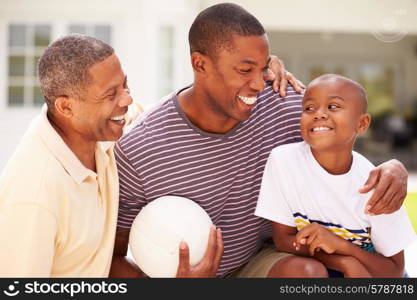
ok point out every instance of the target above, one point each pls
(119, 119)
(248, 100)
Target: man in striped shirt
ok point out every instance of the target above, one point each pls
(209, 142)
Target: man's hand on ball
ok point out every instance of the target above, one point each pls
(209, 264)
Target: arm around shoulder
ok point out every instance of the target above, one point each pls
(390, 182)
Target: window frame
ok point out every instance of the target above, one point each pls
(30, 51)
(56, 29)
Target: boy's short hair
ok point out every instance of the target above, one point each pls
(336, 77)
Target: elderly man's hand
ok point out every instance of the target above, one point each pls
(280, 77)
(390, 182)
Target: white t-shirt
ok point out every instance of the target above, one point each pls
(297, 191)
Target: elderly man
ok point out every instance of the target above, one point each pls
(59, 191)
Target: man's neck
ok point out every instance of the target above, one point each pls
(193, 102)
(334, 162)
(83, 150)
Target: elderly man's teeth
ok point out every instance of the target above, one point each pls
(321, 129)
(247, 100)
(118, 118)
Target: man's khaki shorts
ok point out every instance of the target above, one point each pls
(260, 265)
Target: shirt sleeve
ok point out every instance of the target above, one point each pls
(27, 239)
(272, 202)
(131, 194)
(391, 233)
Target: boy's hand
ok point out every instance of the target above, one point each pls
(316, 238)
(390, 182)
(280, 77)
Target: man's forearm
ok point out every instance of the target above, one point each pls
(123, 267)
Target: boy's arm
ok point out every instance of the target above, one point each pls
(377, 264)
(348, 265)
(285, 236)
(316, 237)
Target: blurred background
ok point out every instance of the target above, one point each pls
(371, 41)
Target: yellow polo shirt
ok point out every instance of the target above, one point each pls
(57, 218)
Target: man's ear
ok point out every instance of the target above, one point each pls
(64, 106)
(199, 62)
(364, 122)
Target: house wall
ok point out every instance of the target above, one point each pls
(299, 31)
(353, 16)
(135, 30)
(300, 49)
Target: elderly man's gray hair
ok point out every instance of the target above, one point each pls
(63, 67)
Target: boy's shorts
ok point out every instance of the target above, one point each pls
(260, 265)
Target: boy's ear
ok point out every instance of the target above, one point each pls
(199, 62)
(364, 122)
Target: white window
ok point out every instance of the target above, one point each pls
(26, 43)
(166, 60)
(101, 32)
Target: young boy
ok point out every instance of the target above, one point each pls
(310, 189)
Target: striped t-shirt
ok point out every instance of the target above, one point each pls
(165, 154)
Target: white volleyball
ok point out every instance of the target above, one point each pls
(159, 228)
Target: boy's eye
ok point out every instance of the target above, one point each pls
(245, 70)
(309, 108)
(333, 106)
